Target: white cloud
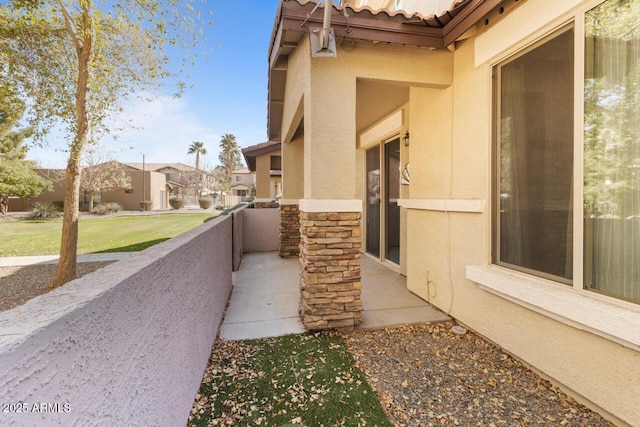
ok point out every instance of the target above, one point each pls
(167, 126)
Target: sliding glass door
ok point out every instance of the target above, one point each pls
(383, 192)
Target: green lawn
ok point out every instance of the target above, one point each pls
(110, 234)
(309, 379)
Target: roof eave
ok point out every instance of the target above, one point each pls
(402, 30)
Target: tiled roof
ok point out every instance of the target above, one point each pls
(294, 17)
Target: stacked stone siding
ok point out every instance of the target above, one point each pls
(289, 231)
(330, 270)
(262, 205)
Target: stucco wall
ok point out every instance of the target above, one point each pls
(124, 346)
(261, 230)
(154, 188)
(451, 160)
(293, 169)
(263, 176)
(329, 122)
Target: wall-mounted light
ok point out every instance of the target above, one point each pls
(405, 139)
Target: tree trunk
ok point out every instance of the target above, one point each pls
(69, 243)
(91, 198)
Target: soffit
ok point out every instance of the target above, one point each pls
(294, 18)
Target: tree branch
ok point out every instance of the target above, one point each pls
(68, 22)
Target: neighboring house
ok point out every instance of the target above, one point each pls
(453, 149)
(243, 183)
(266, 161)
(183, 181)
(56, 176)
(154, 185)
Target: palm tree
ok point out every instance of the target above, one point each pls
(197, 148)
(229, 157)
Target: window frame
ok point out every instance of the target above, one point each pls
(614, 319)
(496, 135)
(575, 19)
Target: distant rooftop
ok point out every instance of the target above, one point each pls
(157, 166)
(250, 153)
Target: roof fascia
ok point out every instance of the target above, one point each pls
(467, 18)
(366, 29)
(262, 150)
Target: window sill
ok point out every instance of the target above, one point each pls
(581, 310)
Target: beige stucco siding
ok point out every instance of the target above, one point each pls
(293, 169)
(155, 190)
(449, 117)
(440, 245)
(329, 121)
(263, 176)
(430, 147)
(330, 132)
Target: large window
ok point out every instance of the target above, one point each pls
(537, 223)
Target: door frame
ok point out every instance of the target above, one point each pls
(382, 257)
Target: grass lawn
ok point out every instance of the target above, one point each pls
(110, 234)
(308, 379)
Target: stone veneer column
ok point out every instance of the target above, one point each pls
(289, 230)
(262, 203)
(330, 270)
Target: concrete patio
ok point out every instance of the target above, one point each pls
(264, 300)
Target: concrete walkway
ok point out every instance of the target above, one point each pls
(264, 300)
(265, 295)
(53, 259)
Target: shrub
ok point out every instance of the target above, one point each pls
(59, 204)
(44, 211)
(228, 210)
(176, 203)
(146, 205)
(205, 202)
(107, 208)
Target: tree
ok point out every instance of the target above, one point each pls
(101, 173)
(17, 176)
(197, 148)
(612, 102)
(197, 180)
(77, 61)
(230, 158)
(11, 111)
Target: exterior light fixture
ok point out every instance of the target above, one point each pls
(405, 139)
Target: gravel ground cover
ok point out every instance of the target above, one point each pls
(19, 284)
(427, 376)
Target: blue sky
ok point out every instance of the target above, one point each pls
(229, 96)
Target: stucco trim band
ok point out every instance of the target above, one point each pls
(287, 202)
(577, 309)
(522, 26)
(330, 205)
(444, 205)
